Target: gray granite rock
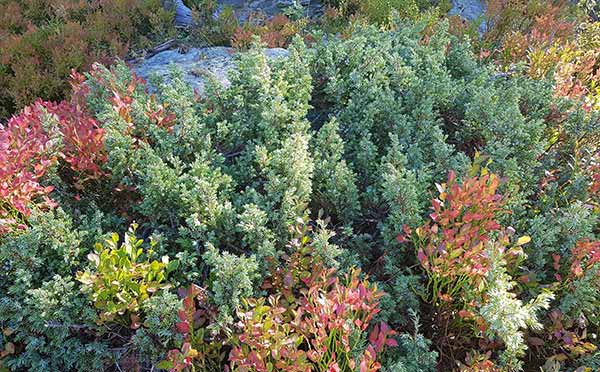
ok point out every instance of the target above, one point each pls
(243, 8)
(200, 63)
(285, 3)
(183, 14)
(197, 64)
(234, 3)
(469, 10)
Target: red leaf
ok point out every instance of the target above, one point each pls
(183, 327)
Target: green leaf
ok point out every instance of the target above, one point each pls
(172, 266)
(165, 364)
(155, 266)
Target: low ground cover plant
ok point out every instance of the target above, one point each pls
(386, 198)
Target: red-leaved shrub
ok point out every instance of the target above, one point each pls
(319, 337)
(33, 142)
(26, 153)
(451, 247)
(199, 347)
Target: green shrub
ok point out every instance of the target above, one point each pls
(382, 12)
(413, 353)
(507, 317)
(232, 279)
(157, 334)
(50, 325)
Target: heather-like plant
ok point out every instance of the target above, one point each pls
(257, 236)
(58, 308)
(383, 12)
(413, 352)
(232, 279)
(578, 275)
(546, 39)
(570, 224)
(40, 302)
(335, 188)
(584, 256)
(400, 192)
(42, 41)
(358, 84)
(158, 332)
(577, 76)
(211, 29)
(275, 32)
(594, 189)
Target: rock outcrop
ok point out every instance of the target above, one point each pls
(183, 14)
(197, 64)
(470, 10)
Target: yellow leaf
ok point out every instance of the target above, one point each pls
(523, 240)
(560, 357)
